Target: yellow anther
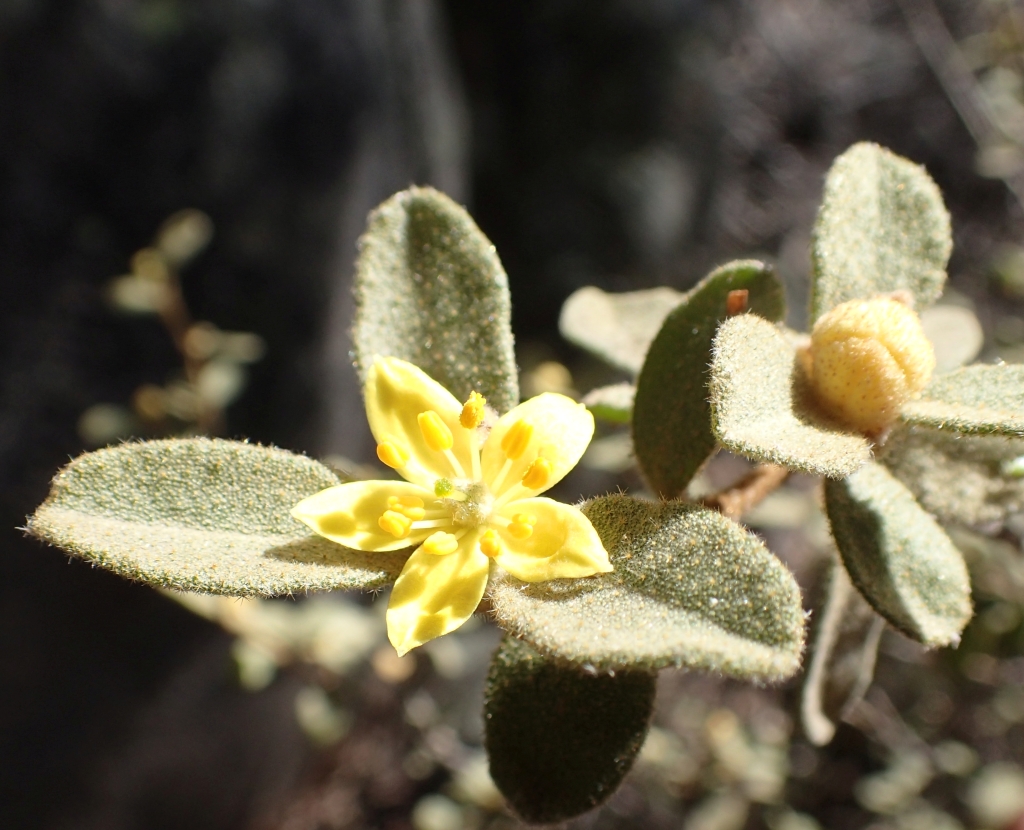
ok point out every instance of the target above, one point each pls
(473, 411)
(490, 544)
(435, 431)
(521, 526)
(440, 544)
(409, 506)
(517, 439)
(393, 455)
(537, 474)
(395, 523)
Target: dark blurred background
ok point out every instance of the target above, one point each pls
(620, 143)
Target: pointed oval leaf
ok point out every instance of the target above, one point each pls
(967, 479)
(882, 227)
(617, 328)
(761, 407)
(690, 589)
(560, 740)
(975, 400)
(899, 558)
(431, 290)
(671, 416)
(612, 403)
(202, 515)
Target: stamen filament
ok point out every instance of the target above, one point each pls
(427, 523)
(499, 479)
(459, 472)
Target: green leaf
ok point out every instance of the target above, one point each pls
(560, 740)
(975, 400)
(671, 416)
(202, 515)
(899, 558)
(955, 334)
(690, 589)
(612, 403)
(843, 654)
(431, 290)
(882, 227)
(761, 406)
(618, 328)
(967, 479)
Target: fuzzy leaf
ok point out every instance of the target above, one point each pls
(560, 740)
(975, 400)
(431, 290)
(955, 334)
(761, 407)
(882, 227)
(612, 403)
(671, 416)
(690, 589)
(898, 557)
(843, 654)
(202, 515)
(618, 328)
(968, 479)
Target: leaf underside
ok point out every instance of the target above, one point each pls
(612, 403)
(882, 227)
(898, 557)
(672, 433)
(202, 515)
(975, 400)
(431, 290)
(559, 740)
(690, 589)
(761, 405)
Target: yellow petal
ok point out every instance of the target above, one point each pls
(348, 514)
(562, 429)
(436, 594)
(563, 543)
(396, 393)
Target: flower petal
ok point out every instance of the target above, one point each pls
(396, 393)
(436, 594)
(563, 544)
(348, 514)
(562, 429)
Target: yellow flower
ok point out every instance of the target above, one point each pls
(464, 505)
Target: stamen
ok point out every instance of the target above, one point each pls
(490, 544)
(440, 544)
(435, 431)
(395, 523)
(461, 473)
(444, 521)
(521, 526)
(411, 507)
(517, 439)
(473, 411)
(392, 455)
(499, 479)
(538, 474)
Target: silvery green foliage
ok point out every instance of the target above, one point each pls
(202, 515)
(612, 403)
(690, 589)
(672, 434)
(975, 400)
(882, 227)
(898, 556)
(430, 289)
(560, 741)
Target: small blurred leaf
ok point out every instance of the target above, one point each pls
(560, 740)
(219, 382)
(843, 654)
(431, 290)
(202, 515)
(761, 408)
(975, 400)
(672, 418)
(955, 334)
(618, 328)
(184, 235)
(882, 227)
(612, 403)
(899, 558)
(967, 479)
(690, 589)
(138, 296)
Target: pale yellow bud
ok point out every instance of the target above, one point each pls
(867, 358)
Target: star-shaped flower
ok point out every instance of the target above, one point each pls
(467, 500)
